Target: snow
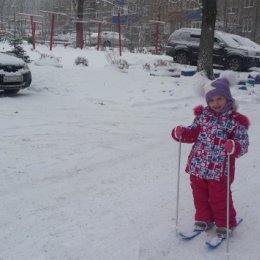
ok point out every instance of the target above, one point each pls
(89, 169)
(8, 59)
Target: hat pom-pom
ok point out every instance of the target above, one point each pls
(201, 80)
(230, 76)
(235, 105)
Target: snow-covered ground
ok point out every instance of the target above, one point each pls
(89, 169)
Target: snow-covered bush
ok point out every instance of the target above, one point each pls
(18, 50)
(48, 60)
(81, 61)
(147, 66)
(112, 58)
(161, 62)
(156, 64)
(123, 64)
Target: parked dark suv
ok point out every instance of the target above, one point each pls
(183, 46)
(14, 74)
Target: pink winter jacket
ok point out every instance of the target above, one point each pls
(209, 133)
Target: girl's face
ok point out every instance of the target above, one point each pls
(217, 103)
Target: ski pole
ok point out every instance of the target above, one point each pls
(178, 188)
(228, 201)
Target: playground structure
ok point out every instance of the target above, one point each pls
(54, 27)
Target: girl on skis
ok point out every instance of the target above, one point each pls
(217, 130)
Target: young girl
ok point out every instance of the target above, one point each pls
(216, 131)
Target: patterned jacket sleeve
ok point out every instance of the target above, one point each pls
(190, 133)
(241, 140)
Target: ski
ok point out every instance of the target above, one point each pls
(190, 235)
(218, 239)
(196, 231)
(215, 242)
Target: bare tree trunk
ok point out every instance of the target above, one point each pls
(256, 18)
(2, 4)
(224, 16)
(79, 4)
(205, 59)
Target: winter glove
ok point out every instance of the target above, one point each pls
(230, 146)
(178, 131)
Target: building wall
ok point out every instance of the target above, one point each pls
(242, 18)
(236, 16)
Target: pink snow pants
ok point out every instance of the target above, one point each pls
(210, 201)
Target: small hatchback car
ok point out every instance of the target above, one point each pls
(14, 74)
(108, 39)
(183, 46)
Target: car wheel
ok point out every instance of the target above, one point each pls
(182, 57)
(234, 63)
(11, 91)
(107, 44)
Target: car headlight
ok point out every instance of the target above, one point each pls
(25, 66)
(254, 54)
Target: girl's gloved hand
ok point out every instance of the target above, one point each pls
(178, 131)
(230, 146)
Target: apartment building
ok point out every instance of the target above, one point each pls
(236, 16)
(242, 17)
(141, 19)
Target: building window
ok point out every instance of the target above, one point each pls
(196, 24)
(132, 8)
(247, 25)
(232, 10)
(193, 4)
(174, 1)
(248, 3)
(98, 15)
(175, 6)
(171, 5)
(115, 11)
(178, 26)
(199, 3)
(167, 28)
(145, 11)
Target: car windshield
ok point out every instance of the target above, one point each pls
(228, 40)
(245, 41)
